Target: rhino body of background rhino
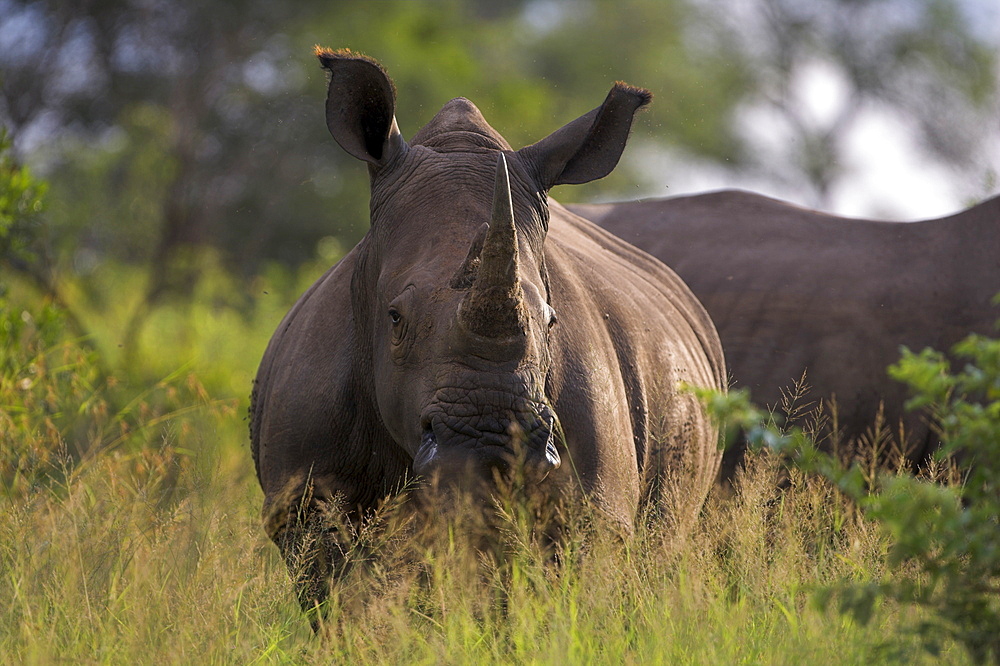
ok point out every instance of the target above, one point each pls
(792, 290)
(476, 328)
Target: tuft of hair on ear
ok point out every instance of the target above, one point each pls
(327, 56)
(642, 96)
(325, 52)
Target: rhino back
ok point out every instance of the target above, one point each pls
(791, 289)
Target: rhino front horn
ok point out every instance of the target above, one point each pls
(494, 306)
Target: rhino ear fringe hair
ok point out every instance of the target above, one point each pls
(328, 56)
(645, 96)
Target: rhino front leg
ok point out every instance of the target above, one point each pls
(315, 537)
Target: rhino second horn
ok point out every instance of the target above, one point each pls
(466, 273)
(494, 306)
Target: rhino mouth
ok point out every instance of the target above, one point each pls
(535, 454)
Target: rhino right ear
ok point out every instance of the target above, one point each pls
(360, 106)
(589, 147)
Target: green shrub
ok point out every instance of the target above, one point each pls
(20, 203)
(50, 406)
(59, 402)
(58, 406)
(944, 544)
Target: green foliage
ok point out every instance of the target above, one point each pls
(59, 407)
(20, 202)
(951, 534)
(943, 544)
(47, 396)
(108, 198)
(218, 139)
(218, 329)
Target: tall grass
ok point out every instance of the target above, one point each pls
(130, 533)
(109, 566)
(102, 570)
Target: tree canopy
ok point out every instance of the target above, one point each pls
(165, 125)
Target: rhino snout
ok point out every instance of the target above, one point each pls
(453, 457)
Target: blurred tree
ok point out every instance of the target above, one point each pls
(148, 114)
(165, 125)
(923, 61)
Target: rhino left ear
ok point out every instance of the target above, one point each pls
(589, 147)
(361, 106)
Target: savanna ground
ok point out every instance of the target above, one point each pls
(130, 531)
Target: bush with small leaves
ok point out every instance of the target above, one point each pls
(945, 538)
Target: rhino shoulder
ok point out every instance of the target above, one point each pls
(307, 398)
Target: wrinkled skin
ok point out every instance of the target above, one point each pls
(478, 330)
(793, 290)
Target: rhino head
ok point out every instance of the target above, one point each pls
(454, 316)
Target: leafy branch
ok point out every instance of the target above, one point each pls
(944, 551)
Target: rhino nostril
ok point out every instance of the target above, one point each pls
(428, 450)
(426, 426)
(427, 436)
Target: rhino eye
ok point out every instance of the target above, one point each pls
(400, 333)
